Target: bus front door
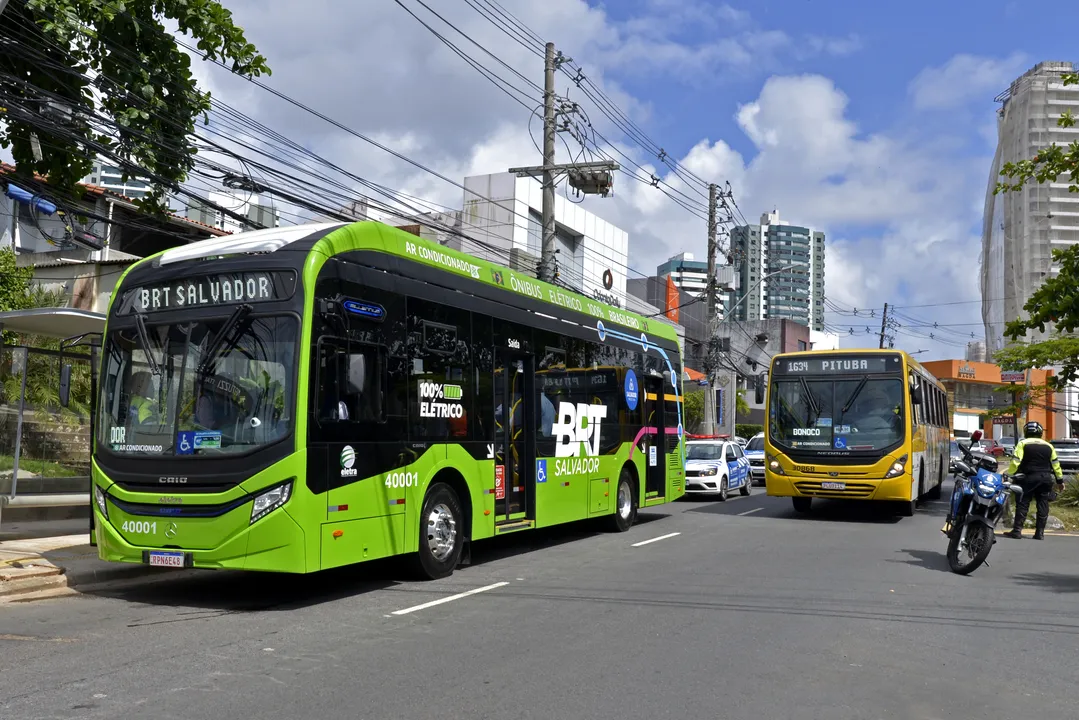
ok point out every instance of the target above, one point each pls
(515, 423)
(656, 449)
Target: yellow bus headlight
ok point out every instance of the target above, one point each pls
(774, 466)
(898, 467)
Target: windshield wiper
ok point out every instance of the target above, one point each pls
(810, 399)
(222, 337)
(853, 396)
(144, 342)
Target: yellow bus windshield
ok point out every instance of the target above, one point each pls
(853, 413)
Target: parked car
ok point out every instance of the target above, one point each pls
(755, 454)
(1068, 453)
(713, 467)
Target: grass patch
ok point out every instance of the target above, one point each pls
(41, 468)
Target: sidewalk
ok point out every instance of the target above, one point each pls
(46, 567)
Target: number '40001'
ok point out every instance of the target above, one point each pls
(402, 479)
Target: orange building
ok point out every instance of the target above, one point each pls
(973, 390)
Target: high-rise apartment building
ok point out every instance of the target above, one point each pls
(781, 271)
(691, 276)
(1021, 229)
(111, 178)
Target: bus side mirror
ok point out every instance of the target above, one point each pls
(916, 395)
(758, 390)
(65, 385)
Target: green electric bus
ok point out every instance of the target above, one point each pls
(302, 398)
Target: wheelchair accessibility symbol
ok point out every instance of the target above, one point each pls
(541, 471)
(841, 443)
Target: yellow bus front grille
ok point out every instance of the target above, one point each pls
(852, 490)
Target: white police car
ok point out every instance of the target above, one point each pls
(714, 467)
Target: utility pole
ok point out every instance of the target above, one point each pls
(594, 178)
(710, 410)
(547, 259)
(883, 325)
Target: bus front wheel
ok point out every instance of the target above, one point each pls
(442, 533)
(802, 504)
(625, 513)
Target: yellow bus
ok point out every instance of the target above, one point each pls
(855, 424)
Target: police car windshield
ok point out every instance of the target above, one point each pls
(209, 396)
(704, 451)
(857, 414)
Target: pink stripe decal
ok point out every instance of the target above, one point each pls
(644, 431)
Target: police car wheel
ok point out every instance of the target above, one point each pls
(748, 487)
(723, 489)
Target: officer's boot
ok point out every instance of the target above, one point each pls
(1039, 530)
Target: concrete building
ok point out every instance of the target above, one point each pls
(974, 388)
(691, 276)
(502, 215)
(820, 340)
(111, 178)
(653, 297)
(752, 345)
(790, 258)
(242, 203)
(1021, 229)
(976, 352)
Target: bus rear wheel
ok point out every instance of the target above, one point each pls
(442, 533)
(625, 513)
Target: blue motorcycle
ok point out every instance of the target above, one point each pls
(978, 503)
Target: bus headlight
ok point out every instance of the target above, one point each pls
(271, 500)
(898, 467)
(99, 498)
(774, 466)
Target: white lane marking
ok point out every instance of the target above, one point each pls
(750, 512)
(655, 539)
(451, 598)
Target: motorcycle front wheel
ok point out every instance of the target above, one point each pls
(969, 547)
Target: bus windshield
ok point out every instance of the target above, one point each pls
(854, 413)
(200, 388)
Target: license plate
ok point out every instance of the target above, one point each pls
(833, 486)
(167, 559)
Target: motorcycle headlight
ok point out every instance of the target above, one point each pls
(897, 468)
(99, 498)
(986, 491)
(270, 500)
(774, 466)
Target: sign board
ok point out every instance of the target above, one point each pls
(966, 370)
(837, 365)
(1004, 420)
(1013, 376)
(500, 482)
(228, 289)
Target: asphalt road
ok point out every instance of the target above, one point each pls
(749, 611)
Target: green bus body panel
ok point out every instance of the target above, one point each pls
(370, 519)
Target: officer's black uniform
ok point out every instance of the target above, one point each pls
(1037, 460)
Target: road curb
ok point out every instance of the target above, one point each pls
(36, 575)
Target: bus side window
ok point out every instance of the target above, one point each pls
(350, 382)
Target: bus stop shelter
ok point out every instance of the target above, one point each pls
(45, 449)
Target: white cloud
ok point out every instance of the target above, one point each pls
(901, 219)
(965, 78)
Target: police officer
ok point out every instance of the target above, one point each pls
(1037, 460)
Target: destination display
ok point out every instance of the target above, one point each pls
(838, 365)
(208, 291)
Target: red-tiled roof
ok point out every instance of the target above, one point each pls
(6, 169)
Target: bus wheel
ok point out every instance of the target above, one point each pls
(442, 532)
(802, 504)
(625, 513)
(906, 509)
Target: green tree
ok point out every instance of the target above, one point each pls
(114, 59)
(1057, 300)
(693, 408)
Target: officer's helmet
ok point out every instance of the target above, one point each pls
(1032, 430)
